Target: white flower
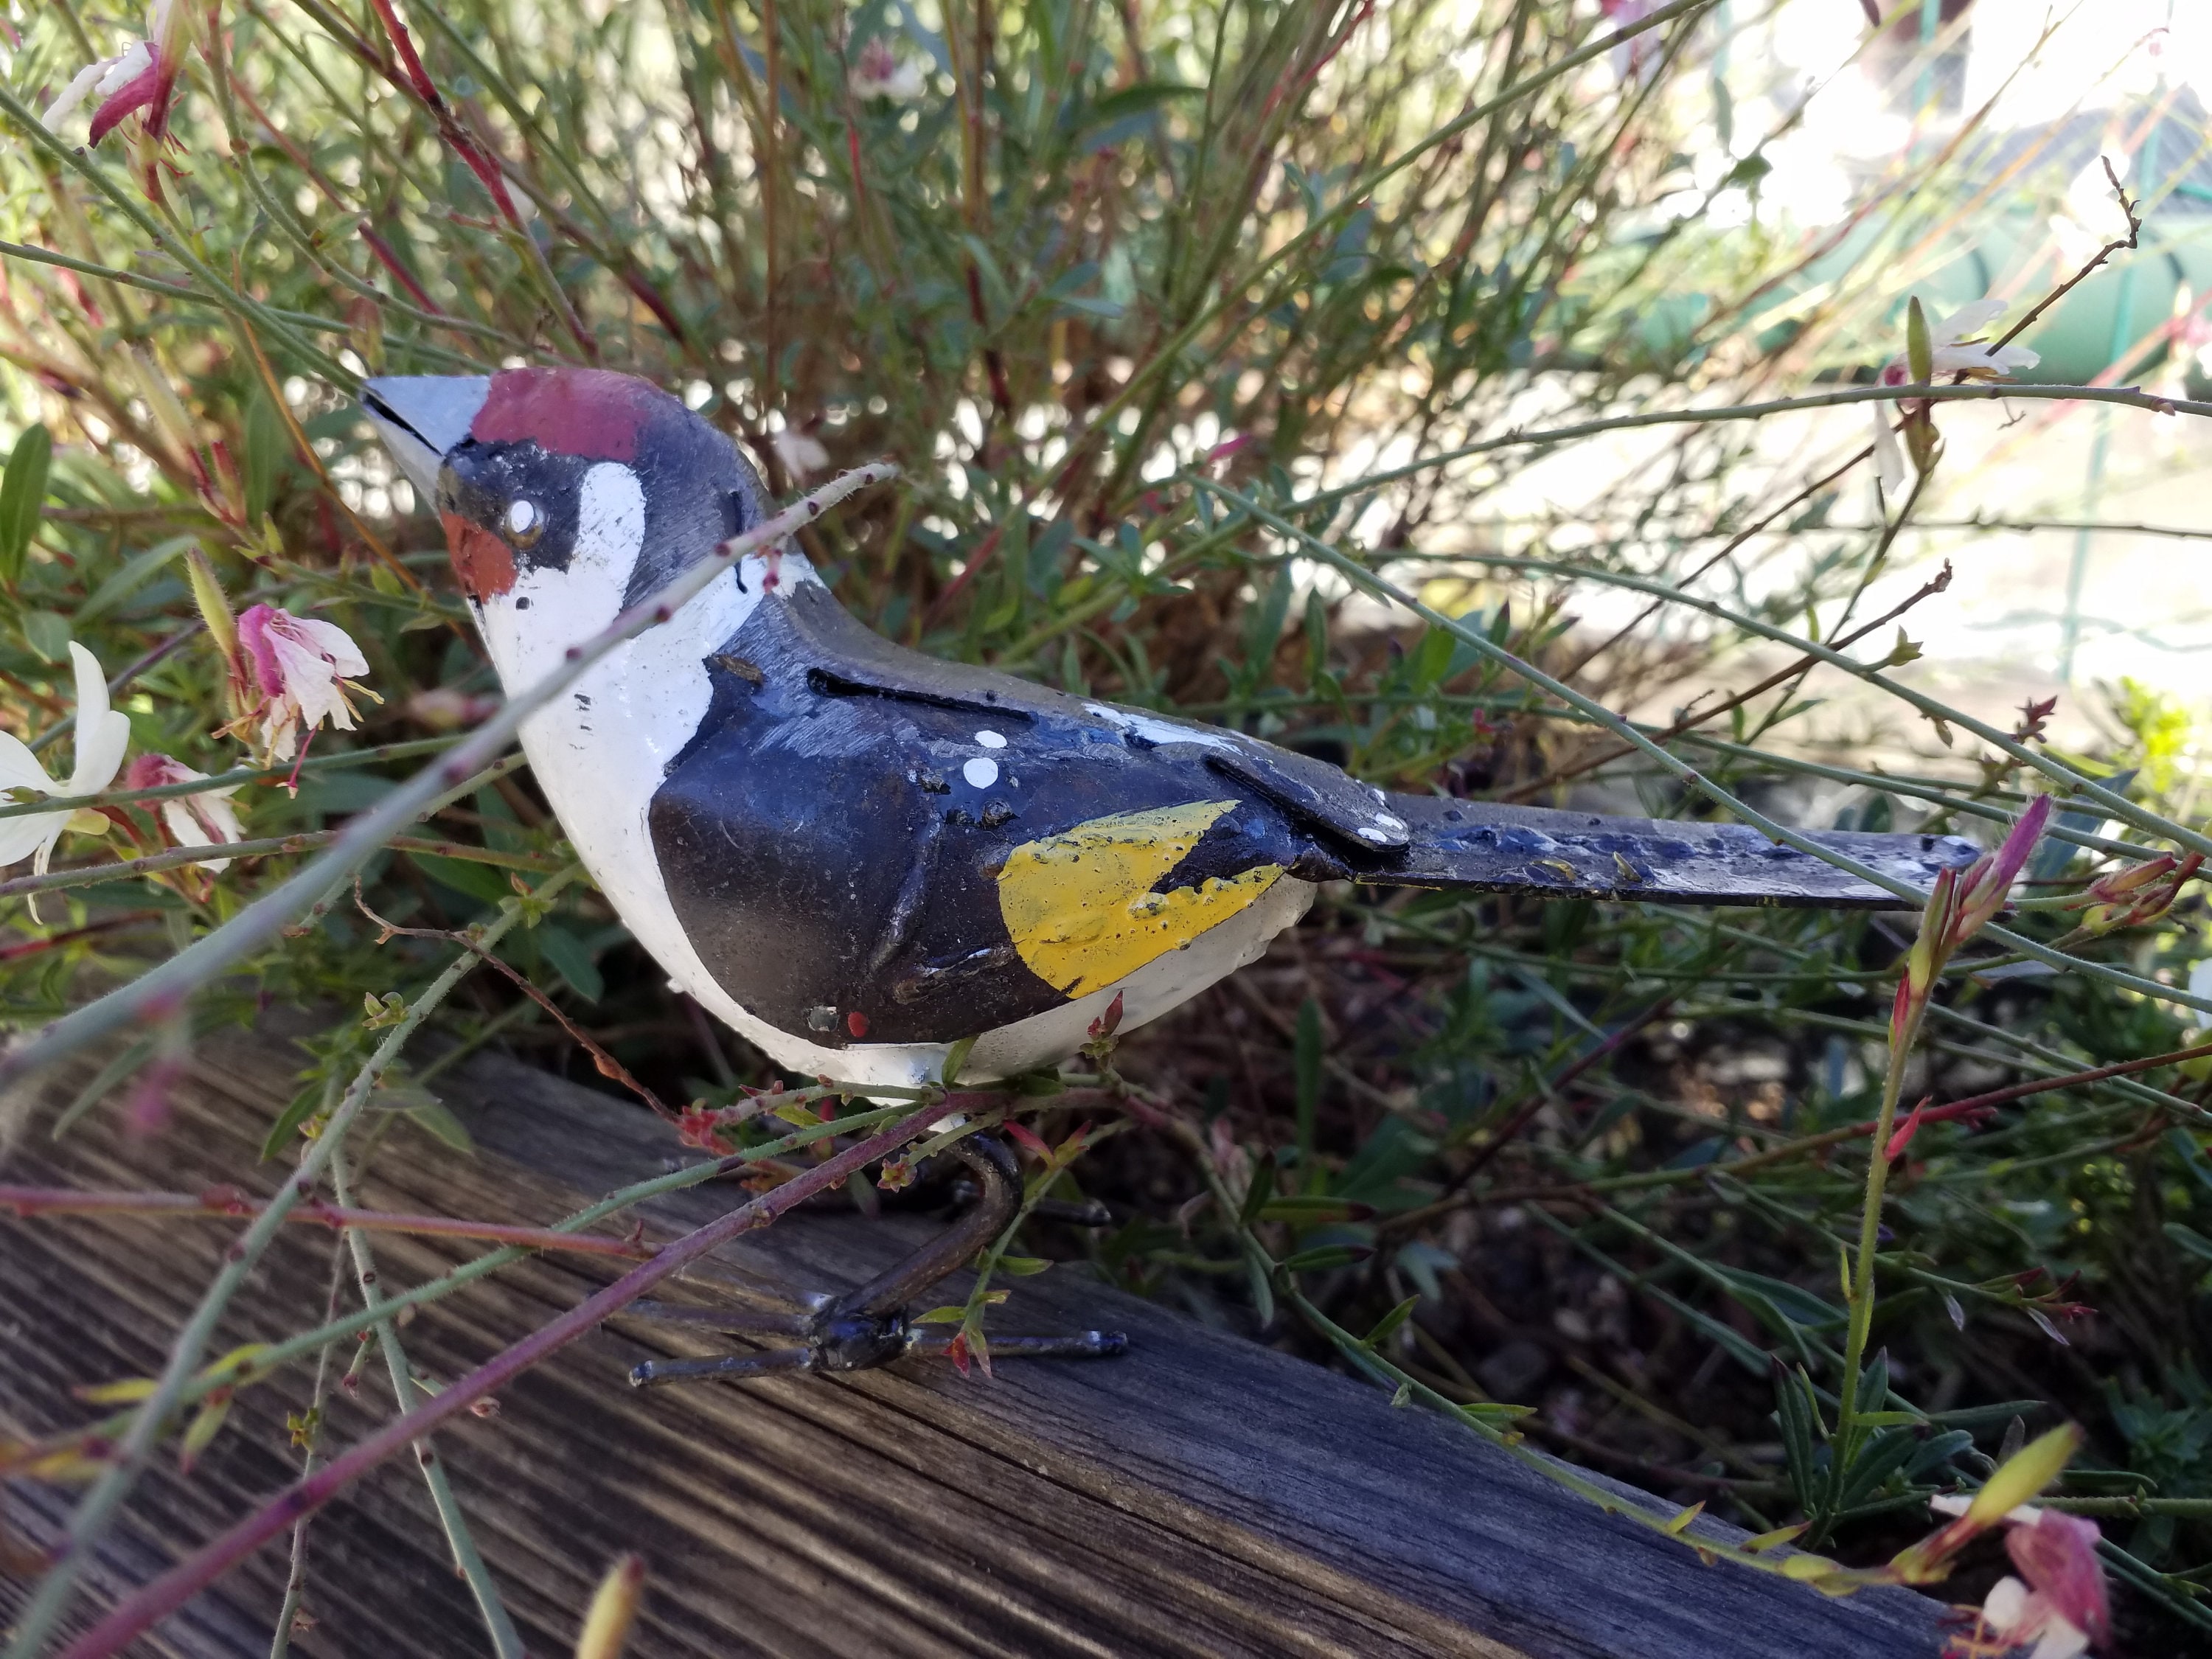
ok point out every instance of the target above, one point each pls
(140, 76)
(2012, 1610)
(1951, 352)
(879, 74)
(297, 671)
(203, 818)
(1955, 354)
(102, 735)
(799, 453)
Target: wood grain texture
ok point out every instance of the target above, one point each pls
(1202, 1495)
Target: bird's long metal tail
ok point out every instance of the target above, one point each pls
(1492, 847)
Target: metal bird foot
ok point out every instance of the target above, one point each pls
(870, 1326)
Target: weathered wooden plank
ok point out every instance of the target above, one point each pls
(1202, 1495)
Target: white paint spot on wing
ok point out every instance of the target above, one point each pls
(1152, 729)
(981, 773)
(991, 739)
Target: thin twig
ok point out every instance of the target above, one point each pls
(138, 1612)
(220, 1203)
(468, 1560)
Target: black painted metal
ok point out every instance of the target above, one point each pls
(867, 1326)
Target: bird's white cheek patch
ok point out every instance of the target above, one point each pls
(531, 626)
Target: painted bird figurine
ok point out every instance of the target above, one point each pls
(858, 856)
(861, 858)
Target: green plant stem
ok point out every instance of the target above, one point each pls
(230, 779)
(296, 1578)
(1860, 1325)
(468, 1560)
(98, 1508)
(220, 292)
(1729, 802)
(92, 875)
(1366, 1359)
(1359, 193)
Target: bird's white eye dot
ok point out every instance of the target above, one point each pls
(522, 518)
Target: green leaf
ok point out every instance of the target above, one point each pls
(955, 1058)
(46, 634)
(304, 1105)
(1431, 659)
(2189, 1240)
(1263, 1292)
(440, 1122)
(1797, 1413)
(1323, 1257)
(1387, 1327)
(266, 442)
(135, 574)
(1023, 1266)
(122, 1066)
(1262, 1189)
(1310, 1209)
(479, 881)
(1883, 1455)
(572, 962)
(22, 494)
(206, 1424)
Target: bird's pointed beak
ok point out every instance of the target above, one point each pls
(421, 418)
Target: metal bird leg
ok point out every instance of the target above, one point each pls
(868, 1326)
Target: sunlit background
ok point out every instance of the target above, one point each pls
(2033, 102)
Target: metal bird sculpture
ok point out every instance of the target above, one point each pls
(858, 856)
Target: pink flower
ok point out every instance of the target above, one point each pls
(297, 673)
(1989, 879)
(1633, 57)
(879, 74)
(2063, 1607)
(143, 75)
(204, 818)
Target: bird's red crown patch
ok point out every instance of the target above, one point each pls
(592, 414)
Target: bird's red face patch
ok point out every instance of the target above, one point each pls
(592, 414)
(483, 561)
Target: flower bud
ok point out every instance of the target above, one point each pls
(614, 1610)
(1919, 349)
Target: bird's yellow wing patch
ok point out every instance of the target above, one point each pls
(1079, 905)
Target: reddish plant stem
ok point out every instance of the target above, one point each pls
(969, 572)
(27, 1202)
(1544, 1092)
(140, 1611)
